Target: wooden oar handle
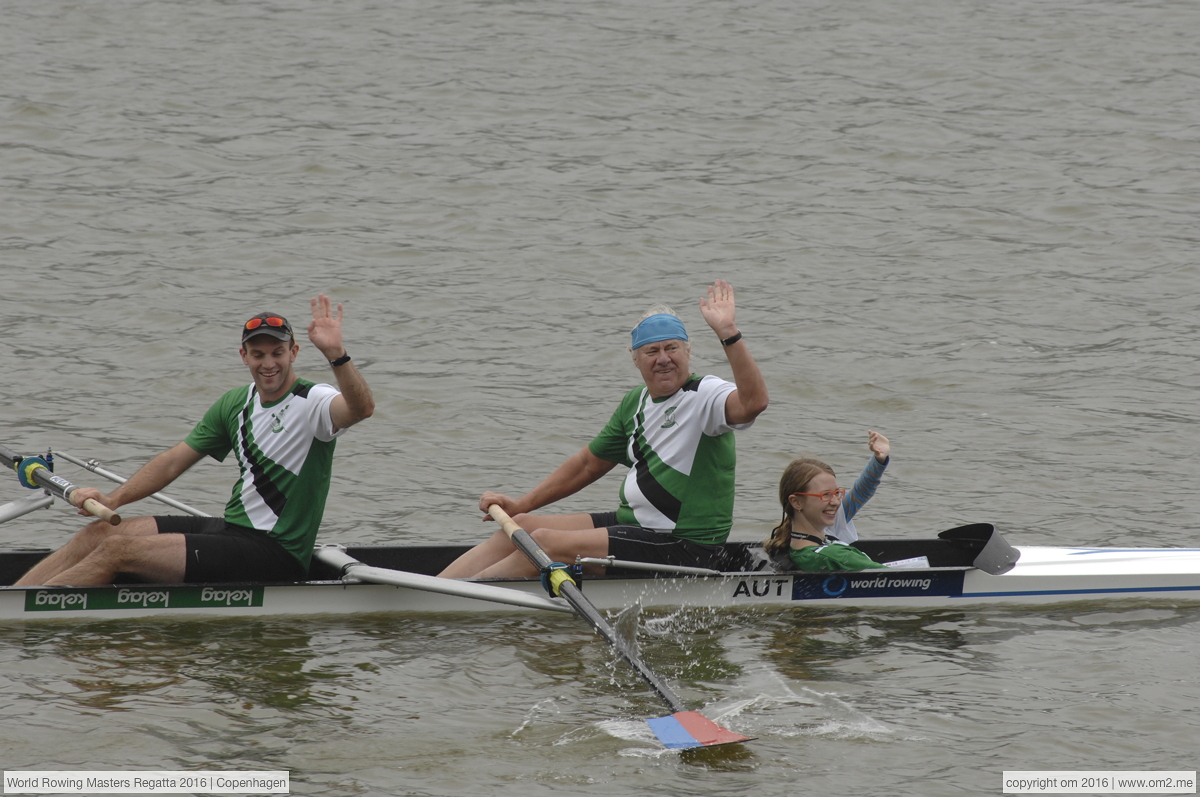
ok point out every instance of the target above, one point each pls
(501, 517)
(101, 511)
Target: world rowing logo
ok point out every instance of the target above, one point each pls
(835, 585)
(873, 584)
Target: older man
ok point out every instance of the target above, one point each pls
(675, 434)
(282, 430)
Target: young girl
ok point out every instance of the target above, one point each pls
(816, 529)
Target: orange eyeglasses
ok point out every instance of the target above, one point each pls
(828, 495)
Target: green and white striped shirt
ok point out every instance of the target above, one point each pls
(285, 452)
(682, 458)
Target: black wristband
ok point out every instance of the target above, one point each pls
(345, 358)
(732, 340)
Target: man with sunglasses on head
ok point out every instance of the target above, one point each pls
(674, 433)
(282, 430)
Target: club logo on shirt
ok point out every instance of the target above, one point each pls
(670, 413)
(277, 419)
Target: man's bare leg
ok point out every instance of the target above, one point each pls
(82, 545)
(498, 546)
(561, 545)
(160, 559)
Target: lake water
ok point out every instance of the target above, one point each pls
(970, 226)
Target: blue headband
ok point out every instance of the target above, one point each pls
(656, 328)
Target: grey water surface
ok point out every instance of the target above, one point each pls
(968, 225)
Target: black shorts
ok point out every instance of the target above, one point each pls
(638, 544)
(218, 551)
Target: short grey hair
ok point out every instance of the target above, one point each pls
(654, 309)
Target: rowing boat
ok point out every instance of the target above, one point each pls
(970, 566)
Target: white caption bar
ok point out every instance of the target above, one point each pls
(1129, 781)
(145, 782)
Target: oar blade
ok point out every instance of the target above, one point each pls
(686, 729)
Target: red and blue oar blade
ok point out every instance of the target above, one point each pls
(686, 729)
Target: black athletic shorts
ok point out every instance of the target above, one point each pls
(639, 544)
(218, 551)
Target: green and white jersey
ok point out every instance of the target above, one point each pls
(682, 457)
(285, 452)
(831, 556)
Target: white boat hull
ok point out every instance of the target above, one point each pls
(1043, 575)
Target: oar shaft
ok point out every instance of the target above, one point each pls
(593, 616)
(612, 561)
(353, 570)
(526, 545)
(23, 506)
(10, 457)
(44, 478)
(95, 468)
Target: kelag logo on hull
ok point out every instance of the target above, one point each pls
(73, 600)
(877, 584)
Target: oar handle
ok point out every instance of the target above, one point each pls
(500, 516)
(101, 511)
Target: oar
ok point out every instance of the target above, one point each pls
(612, 561)
(684, 728)
(33, 472)
(95, 468)
(354, 571)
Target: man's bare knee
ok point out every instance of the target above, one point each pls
(114, 549)
(93, 534)
(565, 544)
(97, 531)
(555, 541)
(97, 528)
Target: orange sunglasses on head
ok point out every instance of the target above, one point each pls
(271, 321)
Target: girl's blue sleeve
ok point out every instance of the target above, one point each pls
(864, 487)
